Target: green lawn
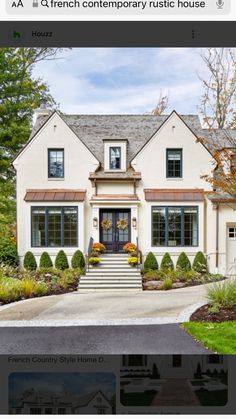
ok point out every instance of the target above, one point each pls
(217, 337)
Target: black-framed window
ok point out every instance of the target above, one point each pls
(215, 359)
(61, 411)
(174, 162)
(175, 226)
(54, 226)
(115, 158)
(56, 163)
(35, 411)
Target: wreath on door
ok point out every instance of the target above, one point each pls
(106, 224)
(122, 224)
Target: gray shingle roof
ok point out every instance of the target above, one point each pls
(137, 129)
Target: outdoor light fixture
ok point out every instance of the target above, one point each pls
(134, 222)
(95, 222)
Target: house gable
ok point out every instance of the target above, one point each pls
(32, 164)
(56, 121)
(151, 160)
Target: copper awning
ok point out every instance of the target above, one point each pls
(174, 194)
(55, 195)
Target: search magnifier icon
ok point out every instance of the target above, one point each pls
(44, 3)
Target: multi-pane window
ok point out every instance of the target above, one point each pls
(35, 411)
(232, 232)
(61, 411)
(48, 411)
(174, 226)
(101, 411)
(115, 158)
(215, 359)
(174, 163)
(56, 163)
(54, 226)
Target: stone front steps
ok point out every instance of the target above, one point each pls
(112, 273)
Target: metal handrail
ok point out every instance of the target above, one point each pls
(139, 254)
(89, 251)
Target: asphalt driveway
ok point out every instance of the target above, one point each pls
(142, 339)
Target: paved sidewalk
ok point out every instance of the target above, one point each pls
(168, 306)
(176, 392)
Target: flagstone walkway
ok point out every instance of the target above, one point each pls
(176, 392)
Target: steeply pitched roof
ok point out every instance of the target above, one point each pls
(136, 129)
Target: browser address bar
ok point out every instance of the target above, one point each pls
(85, 7)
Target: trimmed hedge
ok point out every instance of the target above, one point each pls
(183, 262)
(30, 262)
(150, 261)
(45, 261)
(167, 262)
(78, 260)
(200, 263)
(61, 261)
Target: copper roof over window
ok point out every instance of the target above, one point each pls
(115, 197)
(55, 195)
(174, 194)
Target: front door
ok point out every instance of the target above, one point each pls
(114, 229)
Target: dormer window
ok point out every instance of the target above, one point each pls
(115, 155)
(115, 158)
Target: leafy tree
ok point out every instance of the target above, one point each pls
(150, 261)
(61, 261)
(8, 251)
(30, 262)
(218, 109)
(219, 90)
(161, 105)
(20, 94)
(183, 262)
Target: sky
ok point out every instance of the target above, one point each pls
(124, 80)
(76, 383)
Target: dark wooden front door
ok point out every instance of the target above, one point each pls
(114, 237)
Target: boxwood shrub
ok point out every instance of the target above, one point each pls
(30, 262)
(167, 262)
(183, 262)
(200, 263)
(45, 261)
(150, 262)
(78, 260)
(61, 261)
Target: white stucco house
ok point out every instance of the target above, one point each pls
(78, 170)
(34, 402)
(172, 366)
